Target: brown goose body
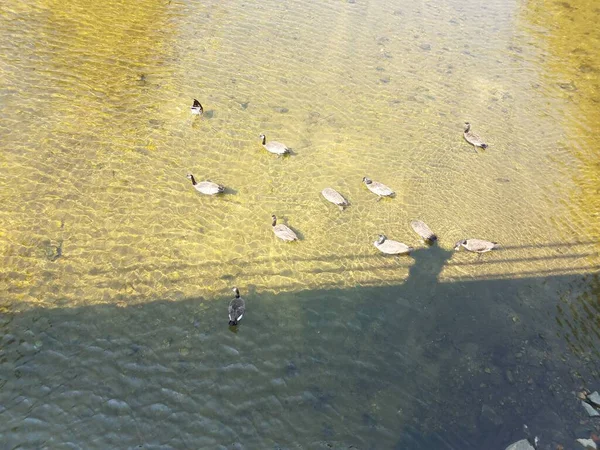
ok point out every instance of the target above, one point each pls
(237, 308)
(390, 247)
(472, 138)
(282, 231)
(423, 230)
(273, 146)
(378, 188)
(206, 187)
(476, 245)
(333, 196)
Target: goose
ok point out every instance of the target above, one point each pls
(390, 247)
(197, 108)
(237, 307)
(378, 188)
(282, 231)
(476, 245)
(273, 146)
(472, 138)
(423, 230)
(334, 197)
(206, 187)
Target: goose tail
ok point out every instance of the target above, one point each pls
(484, 146)
(233, 323)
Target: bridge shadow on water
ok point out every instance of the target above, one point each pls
(419, 365)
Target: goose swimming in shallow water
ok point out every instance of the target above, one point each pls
(333, 196)
(197, 108)
(390, 247)
(472, 138)
(378, 188)
(476, 245)
(237, 307)
(273, 146)
(423, 230)
(282, 231)
(206, 187)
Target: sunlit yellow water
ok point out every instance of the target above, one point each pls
(96, 140)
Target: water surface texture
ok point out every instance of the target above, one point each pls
(115, 273)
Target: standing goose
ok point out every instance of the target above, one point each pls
(237, 307)
(282, 231)
(197, 108)
(390, 247)
(423, 230)
(476, 245)
(206, 187)
(334, 197)
(472, 138)
(273, 146)
(378, 188)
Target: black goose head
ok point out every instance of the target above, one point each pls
(459, 243)
(197, 108)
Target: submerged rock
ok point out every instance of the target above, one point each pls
(587, 443)
(291, 370)
(594, 397)
(489, 419)
(570, 86)
(523, 444)
(590, 409)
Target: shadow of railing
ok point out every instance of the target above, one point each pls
(420, 271)
(248, 260)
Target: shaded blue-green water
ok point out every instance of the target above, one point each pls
(463, 366)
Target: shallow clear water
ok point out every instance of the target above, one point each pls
(116, 274)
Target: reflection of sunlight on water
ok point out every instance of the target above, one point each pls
(107, 153)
